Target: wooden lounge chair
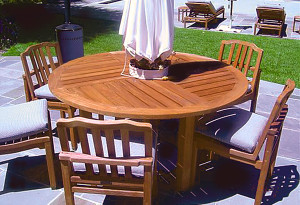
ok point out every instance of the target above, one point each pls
(239, 135)
(38, 62)
(241, 56)
(117, 158)
(270, 18)
(203, 12)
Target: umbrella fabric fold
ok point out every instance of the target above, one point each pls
(147, 27)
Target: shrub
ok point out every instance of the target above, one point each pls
(2, 2)
(8, 32)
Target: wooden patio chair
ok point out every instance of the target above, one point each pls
(117, 158)
(242, 56)
(239, 135)
(38, 62)
(270, 18)
(202, 12)
(27, 126)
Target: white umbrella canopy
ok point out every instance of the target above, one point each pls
(147, 27)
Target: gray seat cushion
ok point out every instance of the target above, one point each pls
(23, 120)
(44, 92)
(233, 126)
(136, 150)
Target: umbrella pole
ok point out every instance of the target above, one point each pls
(67, 11)
(231, 8)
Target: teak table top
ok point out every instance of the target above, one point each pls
(196, 85)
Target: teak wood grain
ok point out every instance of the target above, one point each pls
(94, 84)
(196, 85)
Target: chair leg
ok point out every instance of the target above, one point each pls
(294, 25)
(50, 163)
(254, 29)
(147, 185)
(261, 185)
(69, 195)
(264, 171)
(253, 104)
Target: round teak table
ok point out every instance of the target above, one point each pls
(197, 85)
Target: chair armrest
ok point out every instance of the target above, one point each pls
(86, 158)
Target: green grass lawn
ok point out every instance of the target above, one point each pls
(281, 59)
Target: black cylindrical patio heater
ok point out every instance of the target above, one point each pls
(70, 37)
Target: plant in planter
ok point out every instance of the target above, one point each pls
(148, 30)
(144, 69)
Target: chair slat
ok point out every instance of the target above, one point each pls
(50, 57)
(126, 150)
(148, 143)
(63, 138)
(59, 56)
(40, 65)
(237, 56)
(35, 68)
(221, 52)
(244, 54)
(44, 61)
(247, 65)
(111, 149)
(231, 52)
(98, 149)
(82, 132)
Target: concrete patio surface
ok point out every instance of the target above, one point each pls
(23, 175)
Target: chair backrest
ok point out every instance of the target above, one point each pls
(110, 140)
(38, 62)
(270, 13)
(201, 7)
(240, 56)
(277, 116)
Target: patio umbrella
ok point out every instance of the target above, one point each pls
(147, 27)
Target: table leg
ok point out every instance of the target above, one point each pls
(184, 160)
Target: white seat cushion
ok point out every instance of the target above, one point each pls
(23, 120)
(233, 126)
(44, 92)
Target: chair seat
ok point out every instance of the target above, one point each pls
(22, 120)
(44, 92)
(136, 150)
(233, 126)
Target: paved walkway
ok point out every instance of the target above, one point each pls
(23, 179)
